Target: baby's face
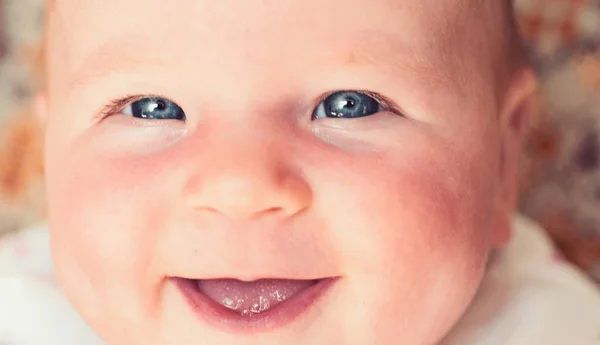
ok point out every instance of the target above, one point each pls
(281, 172)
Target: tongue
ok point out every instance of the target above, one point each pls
(249, 298)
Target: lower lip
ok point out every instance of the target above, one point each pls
(277, 317)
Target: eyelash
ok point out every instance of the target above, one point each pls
(114, 106)
(117, 105)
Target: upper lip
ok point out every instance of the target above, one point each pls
(275, 267)
(250, 279)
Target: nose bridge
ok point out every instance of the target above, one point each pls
(246, 173)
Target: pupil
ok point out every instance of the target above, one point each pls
(350, 102)
(160, 105)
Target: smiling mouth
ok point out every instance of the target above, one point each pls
(252, 306)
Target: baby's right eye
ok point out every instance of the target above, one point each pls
(154, 108)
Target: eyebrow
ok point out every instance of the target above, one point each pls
(433, 66)
(113, 57)
(382, 51)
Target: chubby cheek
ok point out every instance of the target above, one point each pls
(104, 215)
(414, 228)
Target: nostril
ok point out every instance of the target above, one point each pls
(273, 210)
(245, 196)
(276, 213)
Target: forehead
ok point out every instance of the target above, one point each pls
(341, 13)
(407, 33)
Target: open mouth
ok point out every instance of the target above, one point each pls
(257, 305)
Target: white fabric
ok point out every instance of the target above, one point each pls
(531, 296)
(528, 297)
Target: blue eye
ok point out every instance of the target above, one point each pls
(347, 104)
(154, 108)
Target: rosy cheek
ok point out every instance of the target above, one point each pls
(107, 202)
(423, 217)
(406, 224)
(411, 204)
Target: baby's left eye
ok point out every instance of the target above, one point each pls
(154, 108)
(347, 104)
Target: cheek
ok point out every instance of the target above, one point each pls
(103, 216)
(414, 228)
(414, 200)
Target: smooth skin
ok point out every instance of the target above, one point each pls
(403, 205)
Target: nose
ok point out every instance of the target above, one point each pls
(247, 179)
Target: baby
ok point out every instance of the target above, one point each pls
(297, 172)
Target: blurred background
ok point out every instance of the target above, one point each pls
(560, 184)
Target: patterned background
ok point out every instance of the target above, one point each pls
(561, 170)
